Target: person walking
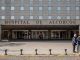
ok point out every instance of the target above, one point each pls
(74, 42)
(78, 44)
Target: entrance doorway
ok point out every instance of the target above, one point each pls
(5, 34)
(20, 35)
(38, 34)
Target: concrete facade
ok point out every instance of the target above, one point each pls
(40, 12)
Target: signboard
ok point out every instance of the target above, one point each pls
(39, 22)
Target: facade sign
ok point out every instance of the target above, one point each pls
(39, 22)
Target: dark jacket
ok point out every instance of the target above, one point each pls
(78, 40)
(74, 40)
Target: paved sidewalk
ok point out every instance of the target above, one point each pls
(30, 46)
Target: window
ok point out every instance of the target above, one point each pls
(40, 17)
(49, 8)
(68, 8)
(21, 8)
(58, 17)
(40, 0)
(31, 17)
(12, 8)
(40, 8)
(2, 8)
(2, 17)
(12, 17)
(31, 0)
(68, 0)
(58, 8)
(77, 0)
(49, 0)
(12, 0)
(31, 8)
(49, 17)
(77, 8)
(21, 17)
(77, 17)
(58, 0)
(68, 17)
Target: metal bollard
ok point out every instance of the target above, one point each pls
(36, 51)
(21, 51)
(65, 51)
(50, 51)
(6, 52)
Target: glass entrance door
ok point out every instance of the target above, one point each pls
(5, 34)
(17, 34)
(39, 34)
(20, 35)
(55, 34)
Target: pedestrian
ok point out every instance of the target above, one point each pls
(78, 44)
(74, 42)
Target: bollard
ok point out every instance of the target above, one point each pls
(65, 51)
(6, 52)
(50, 51)
(36, 51)
(21, 51)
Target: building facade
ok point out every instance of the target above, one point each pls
(39, 19)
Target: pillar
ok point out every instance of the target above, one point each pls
(0, 32)
(79, 29)
(10, 34)
(69, 34)
(49, 34)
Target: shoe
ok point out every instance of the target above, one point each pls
(74, 51)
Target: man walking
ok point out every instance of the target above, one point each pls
(78, 44)
(74, 42)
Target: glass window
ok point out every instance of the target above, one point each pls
(12, 0)
(40, 8)
(12, 17)
(40, 0)
(2, 8)
(31, 8)
(77, 17)
(68, 0)
(22, 8)
(21, 17)
(78, 0)
(68, 8)
(68, 17)
(49, 0)
(58, 17)
(12, 7)
(40, 17)
(31, 17)
(49, 17)
(58, 8)
(58, 0)
(77, 8)
(49, 8)
(31, 0)
(2, 17)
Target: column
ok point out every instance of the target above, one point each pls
(10, 34)
(0, 32)
(79, 29)
(49, 34)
